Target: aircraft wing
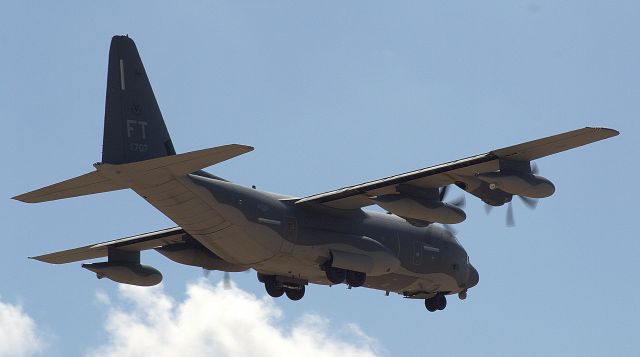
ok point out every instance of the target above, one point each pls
(134, 243)
(356, 196)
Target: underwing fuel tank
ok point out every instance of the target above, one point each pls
(126, 273)
(421, 209)
(519, 183)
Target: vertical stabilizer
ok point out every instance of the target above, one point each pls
(133, 126)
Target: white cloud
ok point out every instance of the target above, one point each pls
(18, 333)
(212, 321)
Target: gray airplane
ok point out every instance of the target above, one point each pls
(325, 238)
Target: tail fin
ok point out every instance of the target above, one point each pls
(134, 129)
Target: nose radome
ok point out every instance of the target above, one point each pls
(474, 277)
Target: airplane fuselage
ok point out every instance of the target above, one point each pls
(273, 235)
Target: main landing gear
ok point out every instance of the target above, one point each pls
(277, 286)
(438, 302)
(339, 276)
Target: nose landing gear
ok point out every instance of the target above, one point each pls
(438, 302)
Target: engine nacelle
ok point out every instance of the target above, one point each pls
(126, 272)
(519, 183)
(420, 209)
(198, 256)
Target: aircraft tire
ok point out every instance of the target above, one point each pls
(440, 301)
(295, 294)
(336, 275)
(273, 289)
(430, 305)
(356, 278)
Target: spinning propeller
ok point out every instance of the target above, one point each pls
(459, 202)
(531, 203)
(226, 278)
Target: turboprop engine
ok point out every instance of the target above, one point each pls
(519, 183)
(420, 208)
(126, 272)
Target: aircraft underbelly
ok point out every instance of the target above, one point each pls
(221, 228)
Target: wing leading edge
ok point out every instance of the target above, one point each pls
(357, 196)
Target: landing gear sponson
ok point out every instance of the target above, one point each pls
(277, 286)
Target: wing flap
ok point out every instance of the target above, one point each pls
(133, 243)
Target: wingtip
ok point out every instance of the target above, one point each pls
(609, 131)
(21, 198)
(247, 148)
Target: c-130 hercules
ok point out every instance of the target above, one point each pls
(324, 239)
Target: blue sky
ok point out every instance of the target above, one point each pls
(331, 94)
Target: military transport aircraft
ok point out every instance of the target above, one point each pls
(290, 241)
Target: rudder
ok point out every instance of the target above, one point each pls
(134, 129)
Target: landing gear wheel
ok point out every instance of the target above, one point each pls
(440, 301)
(356, 278)
(295, 294)
(429, 304)
(273, 289)
(335, 275)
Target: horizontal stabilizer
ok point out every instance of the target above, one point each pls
(104, 179)
(186, 163)
(134, 243)
(86, 184)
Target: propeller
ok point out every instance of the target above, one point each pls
(226, 278)
(459, 202)
(531, 203)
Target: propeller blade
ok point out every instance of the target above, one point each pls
(226, 280)
(443, 192)
(529, 202)
(510, 220)
(206, 272)
(449, 228)
(487, 208)
(460, 202)
(534, 168)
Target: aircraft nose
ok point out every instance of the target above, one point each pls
(474, 277)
